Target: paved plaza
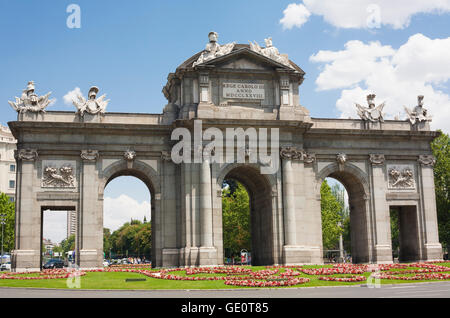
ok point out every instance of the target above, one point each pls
(419, 290)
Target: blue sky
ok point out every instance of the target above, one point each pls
(127, 49)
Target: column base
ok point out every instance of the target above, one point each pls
(383, 254)
(299, 255)
(25, 260)
(189, 256)
(91, 259)
(207, 256)
(170, 257)
(433, 252)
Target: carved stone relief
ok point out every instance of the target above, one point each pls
(401, 177)
(58, 174)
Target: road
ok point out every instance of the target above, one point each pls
(418, 290)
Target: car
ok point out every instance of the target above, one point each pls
(54, 263)
(6, 266)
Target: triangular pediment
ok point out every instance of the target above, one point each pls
(246, 59)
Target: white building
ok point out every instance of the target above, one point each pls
(71, 222)
(7, 162)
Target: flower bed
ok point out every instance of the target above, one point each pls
(343, 279)
(332, 271)
(47, 274)
(267, 283)
(270, 277)
(229, 270)
(431, 276)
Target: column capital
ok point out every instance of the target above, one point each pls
(166, 156)
(376, 159)
(89, 155)
(427, 160)
(291, 153)
(309, 157)
(26, 154)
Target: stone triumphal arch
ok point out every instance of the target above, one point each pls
(66, 158)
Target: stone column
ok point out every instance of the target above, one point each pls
(292, 252)
(90, 230)
(27, 253)
(205, 204)
(208, 253)
(289, 202)
(383, 248)
(431, 245)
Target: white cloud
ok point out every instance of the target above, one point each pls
(117, 211)
(52, 102)
(295, 15)
(71, 95)
(55, 226)
(419, 67)
(369, 13)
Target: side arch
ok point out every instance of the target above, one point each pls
(263, 216)
(149, 176)
(139, 169)
(357, 184)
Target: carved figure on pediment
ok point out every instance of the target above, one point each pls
(270, 52)
(213, 49)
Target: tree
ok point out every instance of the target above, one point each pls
(106, 240)
(395, 232)
(441, 151)
(338, 192)
(7, 208)
(68, 244)
(236, 219)
(133, 238)
(331, 217)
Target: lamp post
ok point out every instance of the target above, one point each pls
(341, 245)
(2, 221)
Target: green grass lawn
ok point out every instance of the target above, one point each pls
(116, 280)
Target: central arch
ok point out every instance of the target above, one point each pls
(148, 176)
(259, 188)
(357, 186)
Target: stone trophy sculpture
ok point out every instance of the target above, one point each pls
(371, 113)
(93, 105)
(419, 113)
(30, 101)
